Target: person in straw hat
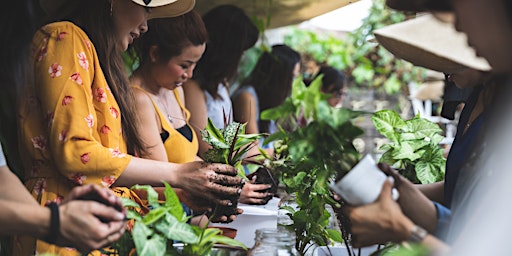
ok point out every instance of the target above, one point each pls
(491, 37)
(77, 117)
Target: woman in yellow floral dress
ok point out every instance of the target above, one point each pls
(77, 116)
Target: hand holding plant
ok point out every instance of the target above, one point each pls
(228, 146)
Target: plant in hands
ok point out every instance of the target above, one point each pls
(228, 146)
(155, 232)
(414, 146)
(309, 154)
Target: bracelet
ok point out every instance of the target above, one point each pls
(417, 234)
(54, 223)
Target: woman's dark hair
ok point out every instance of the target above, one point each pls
(272, 77)
(171, 36)
(333, 80)
(230, 33)
(94, 17)
(19, 23)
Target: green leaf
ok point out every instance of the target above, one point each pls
(172, 202)
(154, 215)
(335, 235)
(406, 152)
(387, 122)
(129, 203)
(173, 229)
(152, 195)
(133, 215)
(220, 239)
(426, 172)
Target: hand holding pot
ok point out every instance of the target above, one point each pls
(379, 222)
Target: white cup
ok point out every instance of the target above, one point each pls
(363, 184)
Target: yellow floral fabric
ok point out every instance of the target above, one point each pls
(70, 123)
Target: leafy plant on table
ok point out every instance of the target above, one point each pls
(309, 154)
(414, 146)
(229, 145)
(155, 232)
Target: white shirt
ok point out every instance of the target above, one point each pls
(217, 108)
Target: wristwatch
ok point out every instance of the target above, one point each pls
(417, 234)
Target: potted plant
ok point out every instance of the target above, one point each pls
(313, 147)
(413, 148)
(229, 145)
(155, 233)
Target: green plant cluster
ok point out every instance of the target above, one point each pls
(229, 145)
(414, 146)
(362, 60)
(155, 232)
(316, 149)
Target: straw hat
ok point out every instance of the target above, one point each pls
(425, 41)
(159, 8)
(282, 12)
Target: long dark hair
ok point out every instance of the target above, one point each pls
(19, 23)
(171, 36)
(272, 77)
(230, 33)
(95, 18)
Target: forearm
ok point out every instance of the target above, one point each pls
(24, 219)
(434, 191)
(149, 172)
(434, 245)
(419, 209)
(13, 189)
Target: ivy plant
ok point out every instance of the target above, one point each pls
(413, 148)
(154, 233)
(312, 148)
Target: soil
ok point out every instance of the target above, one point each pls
(265, 176)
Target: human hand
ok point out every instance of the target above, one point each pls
(255, 193)
(413, 203)
(88, 225)
(378, 222)
(95, 193)
(211, 183)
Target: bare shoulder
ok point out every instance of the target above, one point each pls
(142, 99)
(192, 89)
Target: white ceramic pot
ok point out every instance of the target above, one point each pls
(363, 184)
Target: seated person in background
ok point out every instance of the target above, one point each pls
(334, 83)
(230, 34)
(267, 86)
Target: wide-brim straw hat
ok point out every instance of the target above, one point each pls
(159, 8)
(427, 42)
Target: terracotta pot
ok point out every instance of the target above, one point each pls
(229, 232)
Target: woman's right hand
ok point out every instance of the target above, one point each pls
(89, 224)
(414, 204)
(205, 185)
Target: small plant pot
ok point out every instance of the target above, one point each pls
(265, 176)
(228, 210)
(229, 232)
(363, 184)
